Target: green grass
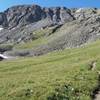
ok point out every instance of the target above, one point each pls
(42, 32)
(61, 75)
(31, 44)
(41, 39)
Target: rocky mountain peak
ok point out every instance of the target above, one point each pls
(26, 14)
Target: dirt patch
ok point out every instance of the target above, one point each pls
(97, 97)
(96, 93)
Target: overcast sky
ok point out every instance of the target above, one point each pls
(4, 4)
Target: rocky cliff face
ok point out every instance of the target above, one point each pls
(71, 27)
(26, 14)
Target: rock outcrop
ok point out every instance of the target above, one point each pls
(27, 14)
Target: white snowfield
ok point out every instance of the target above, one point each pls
(79, 10)
(3, 56)
(1, 28)
(7, 57)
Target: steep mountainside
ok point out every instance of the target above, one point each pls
(58, 27)
(26, 14)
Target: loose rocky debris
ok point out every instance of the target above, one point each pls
(96, 92)
(92, 65)
(28, 92)
(97, 97)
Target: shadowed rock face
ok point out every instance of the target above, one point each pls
(3, 20)
(23, 15)
(77, 26)
(26, 14)
(25, 19)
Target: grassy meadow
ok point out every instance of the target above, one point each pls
(60, 75)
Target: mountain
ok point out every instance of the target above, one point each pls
(56, 28)
(69, 70)
(27, 14)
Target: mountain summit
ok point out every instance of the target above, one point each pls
(27, 14)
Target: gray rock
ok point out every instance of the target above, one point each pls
(27, 14)
(3, 20)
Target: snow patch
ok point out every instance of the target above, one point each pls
(79, 10)
(5, 57)
(1, 28)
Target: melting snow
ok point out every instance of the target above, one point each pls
(5, 57)
(1, 28)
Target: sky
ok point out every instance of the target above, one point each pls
(4, 4)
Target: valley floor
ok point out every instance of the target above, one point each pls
(61, 75)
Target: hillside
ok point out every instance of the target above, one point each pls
(46, 29)
(62, 75)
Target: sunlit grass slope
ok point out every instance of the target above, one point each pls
(61, 75)
(41, 38)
